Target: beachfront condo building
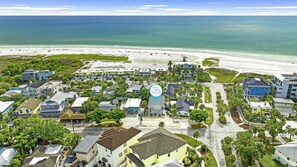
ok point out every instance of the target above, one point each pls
(285, 85)
(255, 87)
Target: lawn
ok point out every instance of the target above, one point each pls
(207, 95)
(222, 75)
(209, 159)
(209, 119)
(242, 76)
(211, 62)
(88, 57)
(190, 140)
(267, 160)
(254, 99)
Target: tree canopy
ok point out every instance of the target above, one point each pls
(198, 115)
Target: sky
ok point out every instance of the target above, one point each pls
(148, 7)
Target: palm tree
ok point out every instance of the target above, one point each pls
(169, 65)
(198, 161)
(196, 134)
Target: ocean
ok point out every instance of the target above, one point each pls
(251, 34)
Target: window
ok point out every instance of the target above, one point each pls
(120, 155)
(130, 161)
(176, 150)
(169, 155)
(125, 151)
(110, 152)
(125, 144)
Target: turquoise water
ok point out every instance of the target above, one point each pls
(271, 35)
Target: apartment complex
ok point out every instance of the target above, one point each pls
(285, 85)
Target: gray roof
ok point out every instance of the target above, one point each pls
(154, 102)
(289, 150)
(59, 97)
(36, 84)
(105, 105)
(255, 82)
(135, 160)
(134, 88)
(159, 141)
(86, 144)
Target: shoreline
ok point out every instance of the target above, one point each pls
(139, 56)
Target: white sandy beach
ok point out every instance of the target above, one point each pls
(142, 57)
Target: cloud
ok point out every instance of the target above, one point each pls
(128, 11)
(176, 10)
(28, 8)
(146, 7)
(267, 7)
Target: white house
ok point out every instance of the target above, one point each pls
(258, 106)
(51, 87)
(55, 105)
(6, 154)
(77, 104)
(5, 107)
(45, 156)
(285, 85)
(113, 145)
(132, 105)
(87, 151)
(286, 154)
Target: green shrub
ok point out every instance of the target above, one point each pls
(187, 161)
(203, 147)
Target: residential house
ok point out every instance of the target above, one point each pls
(105, 105)
(160, 71)
(33, 90)
(97, 89)
(113, 145)
(172, 88)
(286, 154)
(155, 147)
(134, 88)
(260, 106)
(28, 107)
(77, 104)
(54, 106)
(51, 87)
(6, 155)
(45, 156)
(11, 93)
(132, 105)
(156, 105)
(255, 87)
(284, 106)
(184, 106)
(144, 72)
(30, 74)
(87, 151)
(285, 85)
(70, 116)
(185, 65)
(45, 75)
(72, 95)
(6, 107)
